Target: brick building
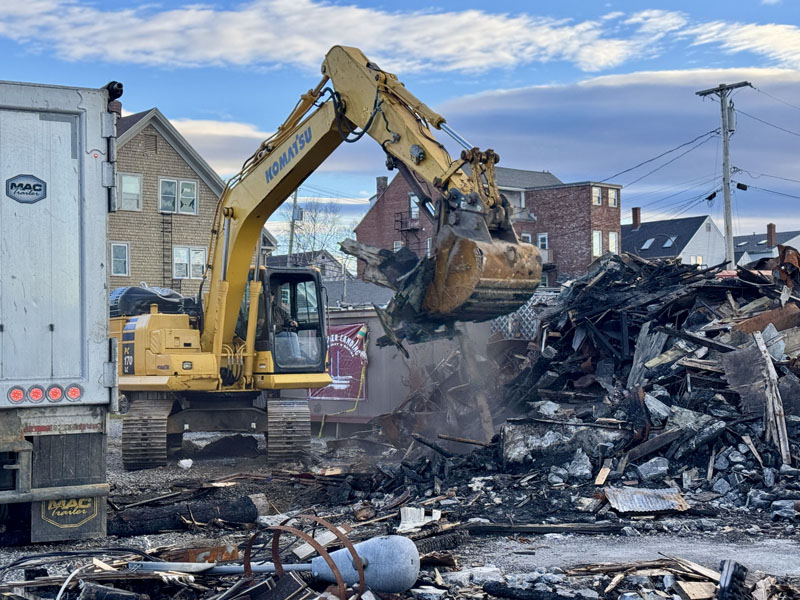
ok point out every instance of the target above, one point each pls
(166, 199)
(572, 223)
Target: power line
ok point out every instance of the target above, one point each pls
(776, 98)
(703, 183)
(669, 162)
(755, 187)
(660, 155)
(767, 122)
(759, 175)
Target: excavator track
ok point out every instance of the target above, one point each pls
(144, 430)
(288, 430)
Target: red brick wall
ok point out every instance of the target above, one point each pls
(377, 228)
(568, 217)
(565, 213)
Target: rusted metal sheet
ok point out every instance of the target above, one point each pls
(209, 554)
(641, 500)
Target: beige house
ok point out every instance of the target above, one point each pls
(166, 199)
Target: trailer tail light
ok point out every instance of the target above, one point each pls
(55, 393)
(16, 394)
(74, 393)
(36, 393)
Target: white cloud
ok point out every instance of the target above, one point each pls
(223, 144)
(279, 32)
(780, 43)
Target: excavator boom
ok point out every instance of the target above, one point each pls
(478, 269)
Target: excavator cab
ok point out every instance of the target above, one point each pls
(290, 323)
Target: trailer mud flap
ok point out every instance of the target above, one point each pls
(69, 518)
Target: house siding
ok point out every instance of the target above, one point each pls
(708, 244)
(150, 246)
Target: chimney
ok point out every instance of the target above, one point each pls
(636, 213)
(115, 106)
(772, 236)
(381, 184)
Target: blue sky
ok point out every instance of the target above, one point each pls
(582, 89)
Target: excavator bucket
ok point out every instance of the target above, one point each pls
(465, 280)
(480, 280)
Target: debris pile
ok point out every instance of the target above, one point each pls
(652, 387)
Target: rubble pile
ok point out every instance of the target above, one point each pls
(662, 375)
(653, 387)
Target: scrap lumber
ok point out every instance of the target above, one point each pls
(697, 339)
(785, 317)
(648, 346)
(503, 529)
(695, 590)
(775, 418)
(154, 519)
(654, 443)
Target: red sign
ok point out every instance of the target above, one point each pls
(348, 363)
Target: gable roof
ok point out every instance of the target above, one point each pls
(357, 293)
(522, 179)
(506, 178)
(300, 259)
(750, 243)
(660, 232)
(128, 127)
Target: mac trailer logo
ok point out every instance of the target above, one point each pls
(26, 189)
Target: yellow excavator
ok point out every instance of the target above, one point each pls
(219, 362)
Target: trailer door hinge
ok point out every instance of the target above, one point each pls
(108, 125)
(108, 174)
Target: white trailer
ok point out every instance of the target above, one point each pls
(57, 367)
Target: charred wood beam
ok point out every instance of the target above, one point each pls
(697, 339)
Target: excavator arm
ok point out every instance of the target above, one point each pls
(478, 268)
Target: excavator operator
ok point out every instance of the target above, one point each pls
(285, 338)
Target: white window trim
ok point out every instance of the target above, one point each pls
(178, 183)
(539, 237)
(127, 259)
(615, 249)
(413, 206)
(397, 245)
(598, 234)
(599, 201)
(119, 191)
(428, 247)
(526, 237)
(613, 194)
(189, 264)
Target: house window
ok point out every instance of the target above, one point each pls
(188, 262)
(670, 241)
(613, 242)
(170, 200)
(613, 197)
(130, 197)
(541, 241)
(397, 245)
(597, 196)
(597, 242)
(119, 259)
(527, 238)
(413, 207)
(699, 260)
(428, 247)
(648, 243)
(708, 227)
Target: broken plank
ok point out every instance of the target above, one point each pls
(648, 346)
(749, 443)
(701, 365)
(785, 317)
(504, 529)
(324, 538)
(695, 590)
(697, 339)
(605, 471)
(776, 420)
(653, 444)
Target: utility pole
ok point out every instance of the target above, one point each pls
(723, 91)
(289, 261)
